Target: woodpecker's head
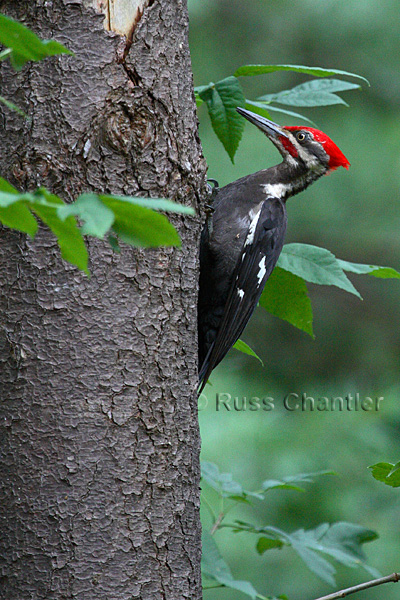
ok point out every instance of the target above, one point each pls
(303, 146)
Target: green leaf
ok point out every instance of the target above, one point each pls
(310, 99)
(199, 101)
(276, 484)
(340, 541)
(69, 237)
(127, 216)
(222, 98)
(200, 88)
(265, 544)
(226, 487)
(316, 563)
(223, 483)
(13, 212)
(260, 108)
(19, 217)
(8, 198)
(114, 243)
(291, 113)
(263, 108)
(250, 70)
(132, 215)
(289, 482)
(374, 270)
(25, 44)
(5, 186)
(387, 473)
(395, 468)
(285, 296)
(326, 85)
(215, 568)
(154, 203)
(5, 54)
(385, 273)
(140, 226)
(312, 93)
(316, 265)
(241, 346)
(90, 209)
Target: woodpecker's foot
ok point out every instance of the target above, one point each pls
(213, 190)
(214, 182)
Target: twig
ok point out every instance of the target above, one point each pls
(395, 577)
(217, 523)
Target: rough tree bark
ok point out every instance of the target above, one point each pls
(99, 437)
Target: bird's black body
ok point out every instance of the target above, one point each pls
(243, 236)
(214, 260)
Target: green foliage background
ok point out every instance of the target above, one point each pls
(354, 214)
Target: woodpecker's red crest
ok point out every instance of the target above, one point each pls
(304, 145)
(336, 156)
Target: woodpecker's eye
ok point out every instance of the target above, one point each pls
(301, 136)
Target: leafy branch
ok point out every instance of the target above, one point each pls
(222, 98)
(340, 541)
(131, 219)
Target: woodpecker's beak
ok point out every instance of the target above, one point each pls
(271, 129)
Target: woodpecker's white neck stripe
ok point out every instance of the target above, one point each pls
(276, 190)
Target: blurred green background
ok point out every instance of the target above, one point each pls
(356, 215)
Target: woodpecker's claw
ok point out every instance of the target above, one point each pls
(215, 185)
(209, 209)
(214, 181)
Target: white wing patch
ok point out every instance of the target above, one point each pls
(240, 293)
(262, 270)
(253, 224)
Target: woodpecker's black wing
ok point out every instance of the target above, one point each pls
(260, 252)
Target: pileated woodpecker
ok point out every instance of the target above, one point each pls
(243, 235)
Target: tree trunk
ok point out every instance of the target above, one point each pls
(100, 443)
